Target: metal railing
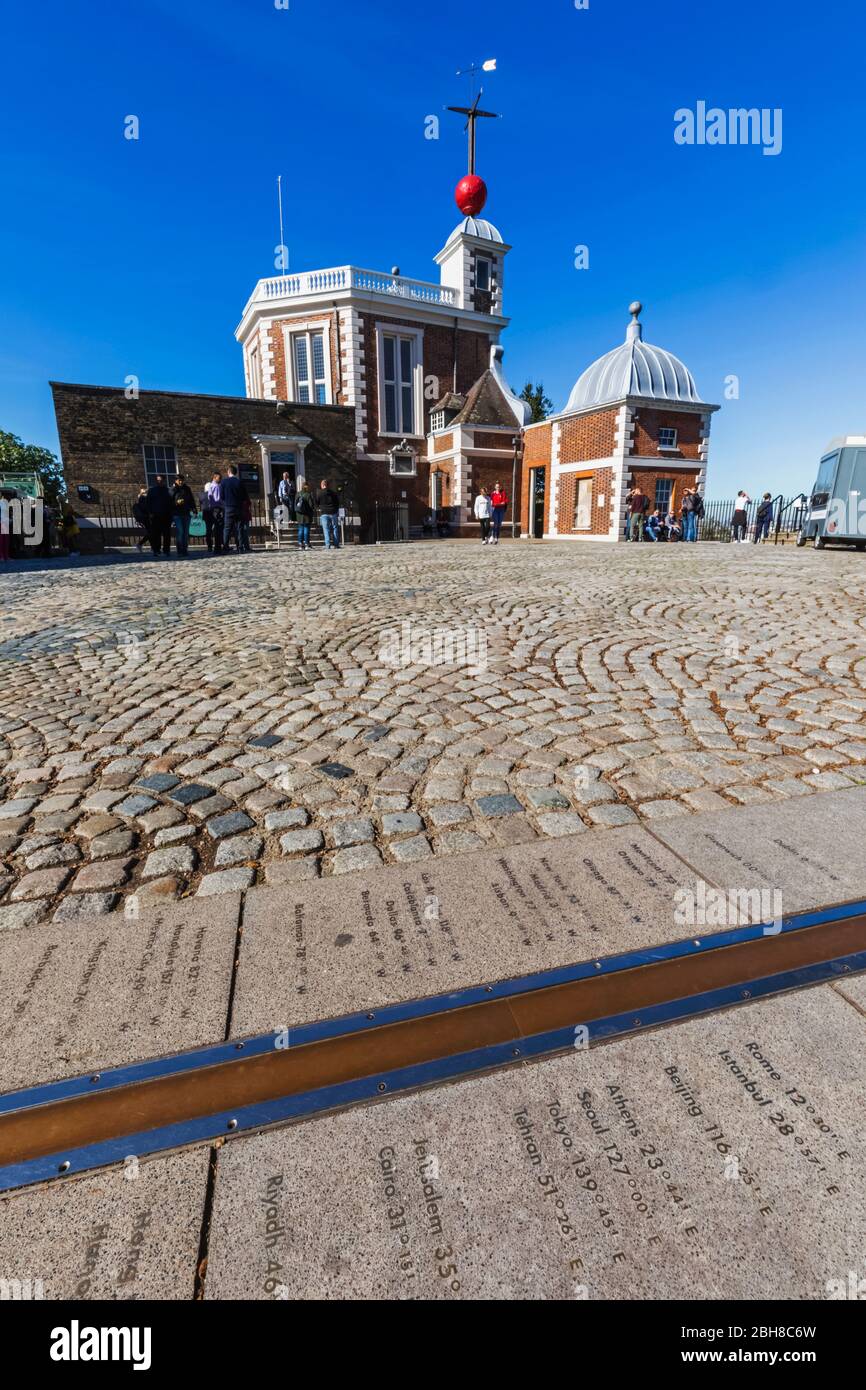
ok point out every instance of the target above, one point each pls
(717, 523)
(119, 526)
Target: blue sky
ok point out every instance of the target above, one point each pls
(126, 257)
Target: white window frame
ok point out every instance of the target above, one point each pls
(578, 482)
(484, 260)
(291, 331)
(162, 471)
(404, 449)
(668, 447)
(416, 336)
(255, 383)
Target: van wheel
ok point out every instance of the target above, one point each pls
(819, 542)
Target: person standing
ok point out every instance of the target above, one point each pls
(211, 510)
(305, 510)
(328, 504)
(693, 510)
(140, 513)
(697, 512)
(482, 509)
(637, 505)
(160, 508)
(5, 528)
(764, 518)
(740, 521)
(184, 509)
(499, 505)
(286, 494)
(234, 494)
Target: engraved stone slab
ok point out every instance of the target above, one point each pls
(811, 848)
(110, 990)
(328, 947)
(125, 1233)
(721, 1158)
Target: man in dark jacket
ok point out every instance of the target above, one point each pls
(184, 511)
(160, 509)
(234, 497)
(328, 504)
(764, 518)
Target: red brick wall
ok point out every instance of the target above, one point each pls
(648, 477)
(537, 444)
(494, 440)
(277, 341)
(486, 472)
(589, 436)
(646, 433)
(443, 444)
(472, 353)
(602, 483)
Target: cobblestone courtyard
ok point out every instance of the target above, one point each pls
(191, 728)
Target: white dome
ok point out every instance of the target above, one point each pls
(635, 368)
(476, 226)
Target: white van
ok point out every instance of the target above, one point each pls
(837, 509)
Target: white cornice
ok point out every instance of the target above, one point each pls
(275, 309)
(635, 403)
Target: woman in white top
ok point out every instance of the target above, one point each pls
(740, 521)
(483, 512)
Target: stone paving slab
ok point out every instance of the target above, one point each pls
(314, 950)
(813, 850)
(855, 991)
(110, 990)
(125, 1233)
(721, 1158)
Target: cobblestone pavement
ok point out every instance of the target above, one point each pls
(201, 726)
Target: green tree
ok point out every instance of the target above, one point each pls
(18, 457)
(540, 404)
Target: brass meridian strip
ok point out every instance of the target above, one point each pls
(85, 1120)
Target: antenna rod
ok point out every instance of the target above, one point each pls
(280, 201)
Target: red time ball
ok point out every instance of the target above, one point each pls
(470, 195)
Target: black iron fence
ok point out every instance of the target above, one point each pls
(717, 523)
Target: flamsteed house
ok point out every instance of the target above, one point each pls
(389, 386)
(393, 388)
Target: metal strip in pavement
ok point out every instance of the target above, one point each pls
(215, 1053)
(386, 1085)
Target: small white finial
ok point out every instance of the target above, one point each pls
(634, 328)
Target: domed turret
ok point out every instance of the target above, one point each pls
(635, 368)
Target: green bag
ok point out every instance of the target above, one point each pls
(197, 526)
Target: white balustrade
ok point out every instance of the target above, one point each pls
(346, 277)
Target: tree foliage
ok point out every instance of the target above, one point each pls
(540, 404)
(18, 457)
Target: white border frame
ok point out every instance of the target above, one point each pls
(393, 330)
(294, 330)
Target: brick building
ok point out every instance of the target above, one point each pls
(635, 415)
(393, 350)
(472, 444)
(116, 445)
